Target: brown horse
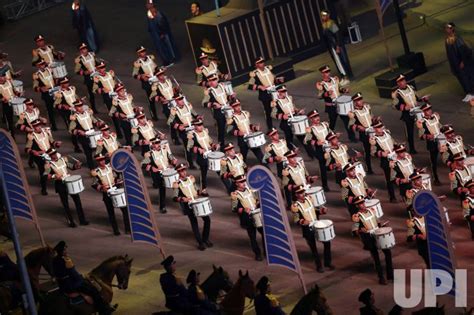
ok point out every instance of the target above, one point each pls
(102, 276)
(234, 301)
(313, 301)
(217, 281)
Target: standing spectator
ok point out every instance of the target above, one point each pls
(82, 21)
(195, 9)
(460, 60)
(160, 32)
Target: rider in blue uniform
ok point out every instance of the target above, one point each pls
(177, 297)
(265, 302)
(199, 302)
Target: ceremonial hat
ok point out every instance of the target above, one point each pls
(425, 106)
(119, 86)
(400, 77)
(300, 189)
(28, 101)
(458, 157)
(348, 167)
(240, 178)
(272, 131)
(447, 129)
(324, 12)
(60, 247)
(105, 127)
(179, 96)
(51, 151)
(40, 62)
(281, 88)
(168, 261)
(365, 296)
(82, 46)
(331, 136)
(140, 116)
(212, 77)
(313, 113)
(358, 199)
(197, 122)
(399, 147)
(357, 96)
(99, 157)
(180, 167)
(77, 103)
(378, 124)
(140, 49)
(101, 65)
(450, 25)
(155, 140)
(192, 276)
(36, 122)
(324, 68)
(3, 55)
(203, 55)
(290, 154)
(236, 102)
(160, 71)
(39, 38)
(228, 147)
(259, 60)
(415, 175)
(262, 284)
(64, 80)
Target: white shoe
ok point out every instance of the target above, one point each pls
(467, 98)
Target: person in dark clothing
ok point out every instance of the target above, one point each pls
(161, 35)
(176, 294)
(416, 232)
(8, 269)
(367, 298)
(199, 302)
(82, 22)
(460, 60)
(265, 302)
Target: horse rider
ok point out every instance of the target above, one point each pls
(176, 294)
(265, 302)
(200, 304)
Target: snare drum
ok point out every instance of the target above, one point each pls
(118, 197)
(344, 105)
(385, 237)
(18, 86)
(375, 205)
(440, 140)
(152, 79)
(255, 139)
(133, 122)
(93, 136)
(228, 87)
(74, 184)
(59, 69)
(170, 176)
(417, 112)
(359, 169)
(317, 195)
(323, 230)
(299, 124)
(214, 159)
(370, 132)
(112, 94)
(228, 111)
(18, 105)
(426, 179)
(257, 218)
(201, 207)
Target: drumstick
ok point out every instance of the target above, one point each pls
(385, 223)
(373, 194)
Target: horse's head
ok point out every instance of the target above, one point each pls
(318, 301)
(247, 285)
(123, 270)
(222, 279)
(41, 257)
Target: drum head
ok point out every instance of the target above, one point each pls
(217, 155)
(371, 202)
(73, 178)
(169, 172)
(199, 200)
(344, 99)
(321, 224)
(425, 176)
(383, 230)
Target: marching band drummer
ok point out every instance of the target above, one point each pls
(143, 69)
(404, 99)
(329, 89)
(207, 68)
(200, 143)
(123, 110)
(416, 184)
(43, 82)
(402, 167)
(294, 174)
(316, 139)
(64, 102)
(263, 80)
(185, 191)
(45, 52)
(352, 186)
(429, 127)
(104, 179)
(84, 65)
(460, 176)
(82, 122)
(454, 144)
(232, 166)
(216, 97)
(181, 119)
(468, 207)
(417, 232)
(275, 150)
(108, 143)
(57, 169)
(382, 146)
(361, 120)
(244, 201)
(158, 159)
(30, 114)
(367, 222)
(39, 141)
(7, 92)
(163, 91)
(239, 125)
(144, 132)
(307, 213)
(337, 156)
(7, 67)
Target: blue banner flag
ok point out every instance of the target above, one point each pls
(142, 221)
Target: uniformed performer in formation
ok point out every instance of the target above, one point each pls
(402, 167)
(85, 65)
(105, 180)
(429, 129)
(239, 125)
(30, 114)
(104, 84)
(144, 132)
(45, 52)
(82, 123)
(245, 202)
(108, 143)
(417, 233)
(460, 176)
(265, 302)
(200, 143)
(275, 150)
(307, 214)
(367, 222)
(416, 184)
(361, 120)
(232, 166)
(468, 207)
(263, 80)
(405, 99)
(294, 174)
(39, 141)
(57, 169)
(315, 139)
(454, 144)
(176, 295)
(337, 156)
(217, 98)
(158, 159)
(44, 83)
(329, 89)
(383, 147)
(206, 69)
(143, 69)
(7, 67)
(181, 119)
(354, 185)
(7, 93)
(185, 191)
(122, 111)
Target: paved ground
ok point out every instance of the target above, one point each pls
(123, 27)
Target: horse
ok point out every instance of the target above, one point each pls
(313, 301)
(58, 303)
(217, 281)
(234, 302)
